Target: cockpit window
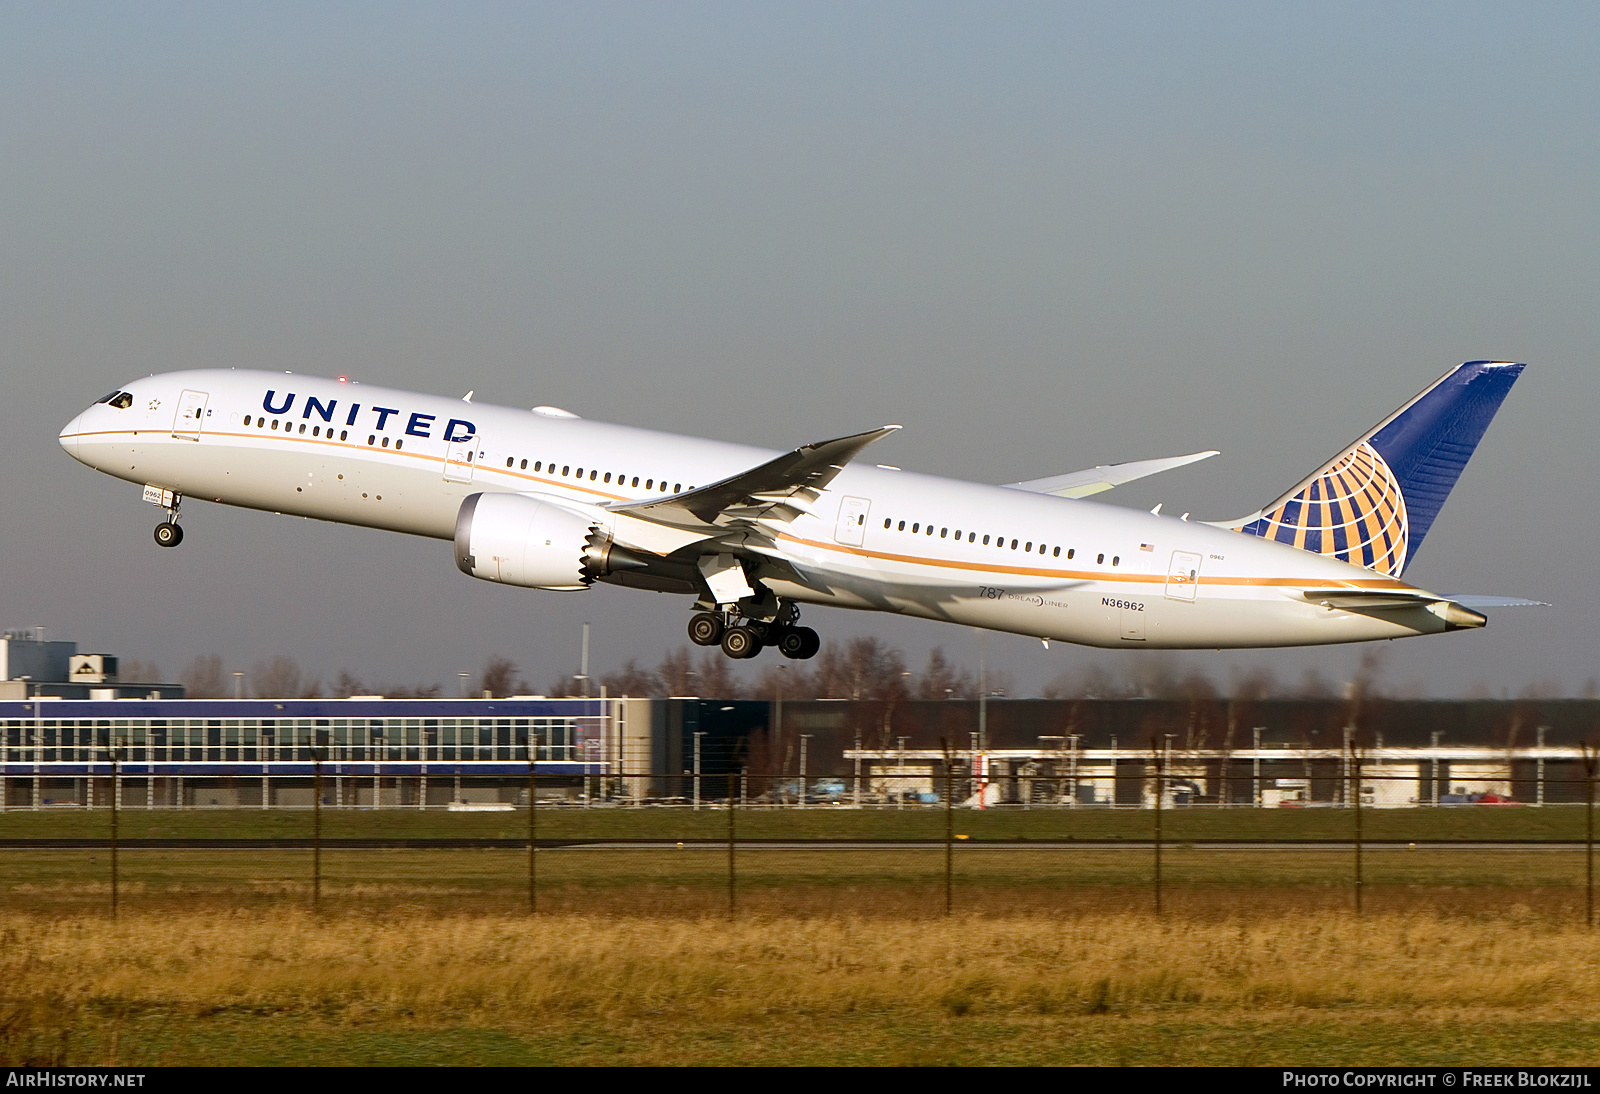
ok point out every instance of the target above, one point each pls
(107, 398)
(122, 400)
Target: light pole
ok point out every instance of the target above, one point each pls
(461, 684)
(238, 685)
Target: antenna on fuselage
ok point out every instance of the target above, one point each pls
(467, 398)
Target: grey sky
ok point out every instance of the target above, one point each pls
(1039, 237)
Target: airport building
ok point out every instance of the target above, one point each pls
(374, 752)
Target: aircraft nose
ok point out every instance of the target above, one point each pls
(69, 436)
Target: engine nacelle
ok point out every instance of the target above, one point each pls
(520, 540)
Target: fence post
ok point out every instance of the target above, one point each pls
(949, 824)
(533, 827)
(732, 877)
(1589, 759)
(1161, 772)
(313, 744)
(1355, 767)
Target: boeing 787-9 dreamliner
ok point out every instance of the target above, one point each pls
(546, 500)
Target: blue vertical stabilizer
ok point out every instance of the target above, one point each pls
(1372, 504)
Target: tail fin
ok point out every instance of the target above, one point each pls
(1372, 504)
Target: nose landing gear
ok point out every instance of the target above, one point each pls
(168, 534)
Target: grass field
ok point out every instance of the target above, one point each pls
(1271, 987)
(833, 955)
(1553, 822)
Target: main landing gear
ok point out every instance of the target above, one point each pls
(749, 637)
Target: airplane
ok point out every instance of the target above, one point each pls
(544, 499)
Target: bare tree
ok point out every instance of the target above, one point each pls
(500, 678)
(943, 680)
(863, 668)
(138, 672)
(631, 680)
(346, 684)
(280, 678)
(204, 678)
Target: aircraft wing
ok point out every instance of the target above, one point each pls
(1080, 484)
(777, 491)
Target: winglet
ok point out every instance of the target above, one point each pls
(1094, 480)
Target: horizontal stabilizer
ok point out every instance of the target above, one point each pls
(1094, 480)
(1456, 615)
(1477, 603)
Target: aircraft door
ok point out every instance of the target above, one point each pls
(1183, 576)
(459, 457)
(852, 527)
(190, 417)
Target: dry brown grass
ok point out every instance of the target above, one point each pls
(150, 988)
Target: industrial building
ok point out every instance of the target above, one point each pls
(30, 665)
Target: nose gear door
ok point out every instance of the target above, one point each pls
(191, 415)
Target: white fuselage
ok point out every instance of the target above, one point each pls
(967, 553)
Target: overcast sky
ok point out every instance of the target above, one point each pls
(1040, 237)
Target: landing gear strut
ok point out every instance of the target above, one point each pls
(747, 638)
(168, 534)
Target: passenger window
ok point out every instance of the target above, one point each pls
(1056, 553)
(524, 466)
(344, 434)
(1115, 559)
(400, 443)
(1029, 547)
(386, 442)
(537, 464)
(1071, 551)
(944, 533)
(564, 469)
(274, 423)
(608, 476)
(1099, 560)
(592, 475)
(972, 537)
(302, 427)
(902, 526)
(677, 488)
(372, 438)
(246, 417)
(886, 522)
(636, 480)
(986, 541)
(917, 527)
(649, 484)
(1013, 545)
(316, 431)
(958, 533)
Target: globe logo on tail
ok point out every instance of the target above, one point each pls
(1352, 510)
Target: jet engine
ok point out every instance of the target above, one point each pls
(516, 539)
